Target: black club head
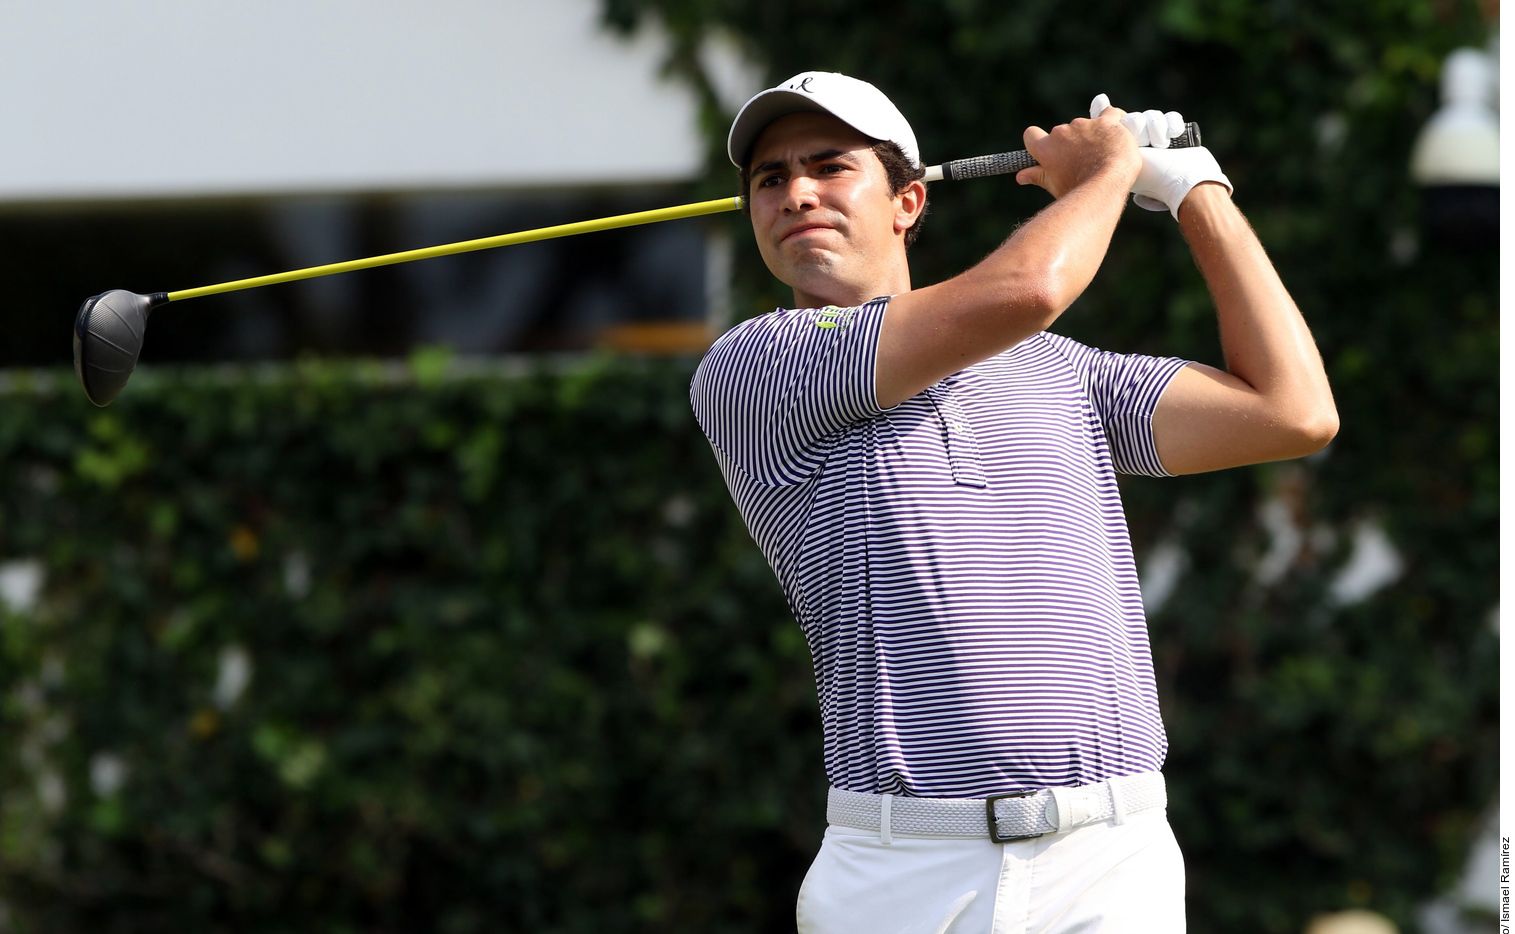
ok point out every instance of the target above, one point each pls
(107, 339)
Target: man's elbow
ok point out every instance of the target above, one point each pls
(1310, 432)
(1041, 301)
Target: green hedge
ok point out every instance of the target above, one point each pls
(515, 664)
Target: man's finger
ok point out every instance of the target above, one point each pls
(1157, 129)
(1098, 105)
(1033, 175)
(1111, 113)
(1176, 125)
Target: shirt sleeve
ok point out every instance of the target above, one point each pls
(1124, 390)
(775, 391)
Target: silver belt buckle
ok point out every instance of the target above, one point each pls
(994, 834)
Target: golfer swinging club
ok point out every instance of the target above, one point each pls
(931, 474)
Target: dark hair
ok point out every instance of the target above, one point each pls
(897, 169)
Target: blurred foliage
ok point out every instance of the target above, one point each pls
(511, 661)
(1326, 752)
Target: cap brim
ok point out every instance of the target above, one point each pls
(761, 111)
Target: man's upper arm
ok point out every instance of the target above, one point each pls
(1209, 419)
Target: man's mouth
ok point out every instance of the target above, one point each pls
(804, 228)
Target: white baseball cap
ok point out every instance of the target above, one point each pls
(856, 103)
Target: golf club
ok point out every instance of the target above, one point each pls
(109, 327)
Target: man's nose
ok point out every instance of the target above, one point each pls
(799, 194)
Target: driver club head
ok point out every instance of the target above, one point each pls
(108, 338)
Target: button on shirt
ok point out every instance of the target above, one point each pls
(960, 562)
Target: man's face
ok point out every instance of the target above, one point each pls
(823, 216)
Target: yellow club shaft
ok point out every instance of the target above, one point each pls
(697, 209)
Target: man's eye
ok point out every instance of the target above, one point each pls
(768, 181)
(833, 168)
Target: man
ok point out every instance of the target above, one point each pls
(930, 473)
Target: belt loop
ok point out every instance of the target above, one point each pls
(1118, 799)
(885, 832)
(1063, 800)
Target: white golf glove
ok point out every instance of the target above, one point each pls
(1167, 174)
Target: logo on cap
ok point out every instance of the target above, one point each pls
(803, 85)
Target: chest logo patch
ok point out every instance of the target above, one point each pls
(831, 316)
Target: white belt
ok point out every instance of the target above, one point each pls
(1002, 818)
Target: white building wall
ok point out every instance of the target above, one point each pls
(174, 98)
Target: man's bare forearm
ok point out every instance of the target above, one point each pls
(1056, 254)
(1014, 292)
(1264, 338)
(1047, 263)
(1028, 281)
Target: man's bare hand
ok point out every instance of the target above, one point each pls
(1076, 152)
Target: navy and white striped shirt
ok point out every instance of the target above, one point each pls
(959, 563)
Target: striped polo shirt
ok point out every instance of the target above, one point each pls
(960, 562)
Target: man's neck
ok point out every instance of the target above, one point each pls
(846, 296)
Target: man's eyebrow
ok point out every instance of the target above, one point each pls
(773, 165)
(824, 155)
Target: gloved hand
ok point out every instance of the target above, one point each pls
(1167, 175)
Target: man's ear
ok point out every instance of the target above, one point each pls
(909, 204)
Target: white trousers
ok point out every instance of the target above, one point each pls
(1107, 878)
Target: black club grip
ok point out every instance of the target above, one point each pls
(1008, 163)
